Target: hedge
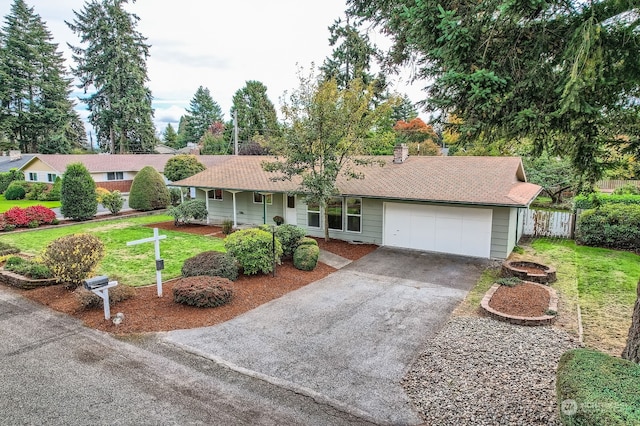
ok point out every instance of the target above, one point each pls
(594, 388)
(598, 199)
(614, 226)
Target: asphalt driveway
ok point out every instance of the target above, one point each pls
(348, 339)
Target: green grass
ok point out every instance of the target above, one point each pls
(131, 265)
(605, 281)
(7, 204)
(605, 389)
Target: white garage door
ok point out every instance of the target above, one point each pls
(456, 230)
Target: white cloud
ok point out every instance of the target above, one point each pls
(219, 45)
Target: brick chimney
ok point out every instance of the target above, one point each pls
(400, 153)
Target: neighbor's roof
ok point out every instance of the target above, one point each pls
(7, 162)
(467, 180)
(99, 163)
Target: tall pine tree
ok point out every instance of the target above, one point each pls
(256, 113)
(36, 114)
(202, 113)
(112, 60)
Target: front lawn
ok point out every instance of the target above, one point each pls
(606, 283)
(7, 204)
(131, 265)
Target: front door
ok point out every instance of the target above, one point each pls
(290, 214)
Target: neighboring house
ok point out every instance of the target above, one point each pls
(462, 205)
(109, 171)
(14, 160)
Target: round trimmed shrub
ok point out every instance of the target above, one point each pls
(148, 191)
(203, 291)
(290, 236)
(40, 215)
(188, 211)
(78, 193)
(305, 257)
(73, 258)
(211, 263)
(253, 248)
(16, 191)
(307, 241)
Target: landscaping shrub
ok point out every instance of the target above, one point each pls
(17, 190)
(28, 268)
(40, 214)
(594, 388)
(627, 189)
(175, 196)
(203, 292)
(73, 258)
(113, 201)
(305, 257)
(4, 225)
(253, 248)
(37, 191)
(188, 211)
(6, 249)
(89, 299)
(227, 226)
(16, 216)
(100, 193)
(54, 192)
(597, 199)
(211, 263)
(6, 178)
(613, 226)
(289, 236)
(148, 191)
(182, 166)
(307, 241)
(78, 193)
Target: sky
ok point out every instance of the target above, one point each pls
(218, 45)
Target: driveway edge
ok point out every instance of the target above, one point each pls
(285, 384)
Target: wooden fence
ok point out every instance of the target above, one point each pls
(543, 223)
(610, 185)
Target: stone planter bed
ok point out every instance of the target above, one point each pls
(516, 304)
(20, 281)
(529, 271)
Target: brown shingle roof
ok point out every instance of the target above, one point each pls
(465, 180)
(97, 163)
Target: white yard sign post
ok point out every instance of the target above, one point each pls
(159, 262)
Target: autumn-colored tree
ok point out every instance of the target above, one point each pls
(418, 135)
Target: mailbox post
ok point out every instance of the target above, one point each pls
(100, 286)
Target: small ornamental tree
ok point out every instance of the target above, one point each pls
(73, 258)
(113, 201)
(78, 193)
(148, 191)
(182, 166)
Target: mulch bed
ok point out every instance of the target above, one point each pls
(146, 312)
(525, 299)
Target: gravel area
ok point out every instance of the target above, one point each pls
(479, 371)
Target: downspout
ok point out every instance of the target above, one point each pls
(264, 209)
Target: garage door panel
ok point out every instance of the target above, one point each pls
(456, 230)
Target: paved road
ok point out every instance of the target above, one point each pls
(349, 338)
(54, 371)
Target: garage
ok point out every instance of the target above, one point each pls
(456, 230)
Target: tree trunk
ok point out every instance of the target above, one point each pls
(632, 350)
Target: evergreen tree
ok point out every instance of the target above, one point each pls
(170, 137)
(256, 113)
(78, 193)
(564, 73)
(148, 191)
(181, 140)
(203, 112)
(182, 166)
(112, 60)
(36, 112)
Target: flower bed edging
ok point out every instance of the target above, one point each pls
(20, 281)
(514, 319)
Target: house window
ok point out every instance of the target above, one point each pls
(115, 176)
(313, 215)
(51, 177)
(258, 198)
(33, 176)
(215, 194)
(354, 214)
(334, 211)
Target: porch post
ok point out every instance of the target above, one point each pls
(206, 200)
(235, 215)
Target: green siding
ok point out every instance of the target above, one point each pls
(503, 234)
(248, 212)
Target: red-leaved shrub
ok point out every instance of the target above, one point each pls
(40, 214)
(16, 216)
